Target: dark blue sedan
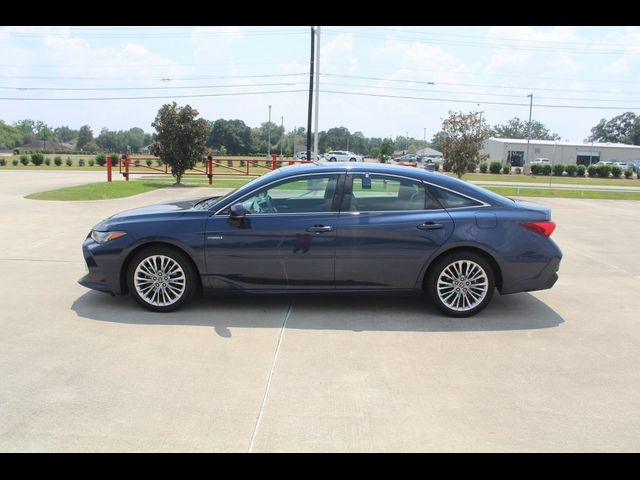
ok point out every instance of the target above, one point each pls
(329, 228)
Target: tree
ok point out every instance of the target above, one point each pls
(27, 128)
(10, 137)
(465, 134)
(65, 134)
(516, 128)
(624, 128)
(180, 138)
(386, 149)
(235, 135)
(85, 135)
(437, 139)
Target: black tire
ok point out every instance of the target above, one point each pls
(352, 159)
(156, 255)
(332, 159)
(461, 303)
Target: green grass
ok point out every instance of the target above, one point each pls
(97, 191)
(488, 177)
(557, 193)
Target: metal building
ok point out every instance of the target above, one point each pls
(513, 151)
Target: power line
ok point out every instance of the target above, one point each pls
(486, 45)
(155, 77)
(476, 102)
(151, 97)
(563, 42)
(474, 93)
(146, 88)
(425, 82)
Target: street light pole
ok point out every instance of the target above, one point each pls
(282, 139)
(424, 136)
(407, 142)
(526, 161)
(269, 134)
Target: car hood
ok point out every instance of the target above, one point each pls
(164, 208)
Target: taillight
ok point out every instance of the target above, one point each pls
(543, 228)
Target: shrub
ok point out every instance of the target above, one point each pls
(3, 162)
(572, 170)
(484, 167)
(136, 162)
(558, 169)
(628, 172)
(518, 171)
(14, 162)
(494, 167)
(616, 171)
(68, 162)
(536, 169)
(149, 163)
(506, 169)
(159, 163)
(37, 159)
(24, 160)
(47, 161)
(16, 151)
(58, 161)
(592, 170)
(581, 170)
(603, 171)
(91, 162)
(81, 163)
(547, 169)
(101, 159)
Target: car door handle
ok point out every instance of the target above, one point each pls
(320, 228)
(430, 226)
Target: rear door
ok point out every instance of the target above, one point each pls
(388, 228)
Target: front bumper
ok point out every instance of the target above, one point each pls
(95, 277)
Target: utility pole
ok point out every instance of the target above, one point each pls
(269, 135)
(526, 160)
(282, 139)
(293, 146)
(407, 142)
(317, 66)
(424, 136)
(313, 36)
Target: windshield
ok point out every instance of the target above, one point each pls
(208, 203)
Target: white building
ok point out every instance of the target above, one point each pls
(514, 151)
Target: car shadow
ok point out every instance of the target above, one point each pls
(327, 312)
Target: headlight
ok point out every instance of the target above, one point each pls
(104, 237)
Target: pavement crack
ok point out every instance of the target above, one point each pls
(266, 392)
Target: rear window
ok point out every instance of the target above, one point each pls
(450, 199)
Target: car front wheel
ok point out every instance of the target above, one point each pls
(461, 284)
(161, 279)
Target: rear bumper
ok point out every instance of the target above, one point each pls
(543, 281)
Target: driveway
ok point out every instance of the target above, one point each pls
(557, 370)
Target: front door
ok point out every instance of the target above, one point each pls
(388, 229)
(287, 240)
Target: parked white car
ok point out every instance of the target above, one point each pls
(343, 156)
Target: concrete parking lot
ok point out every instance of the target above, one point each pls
(557, 370)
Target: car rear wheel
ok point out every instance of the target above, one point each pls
(461, 284)
(352, 159)
(332, 159)
(161, 279)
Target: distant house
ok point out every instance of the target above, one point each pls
(144, 150)
(428, 152)
(45, 145)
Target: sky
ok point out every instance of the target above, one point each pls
(381, 81)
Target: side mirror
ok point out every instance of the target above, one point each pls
(238, 210)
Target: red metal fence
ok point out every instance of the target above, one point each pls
(128, 166)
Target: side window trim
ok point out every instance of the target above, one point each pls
(276, 183)
(345, 204)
